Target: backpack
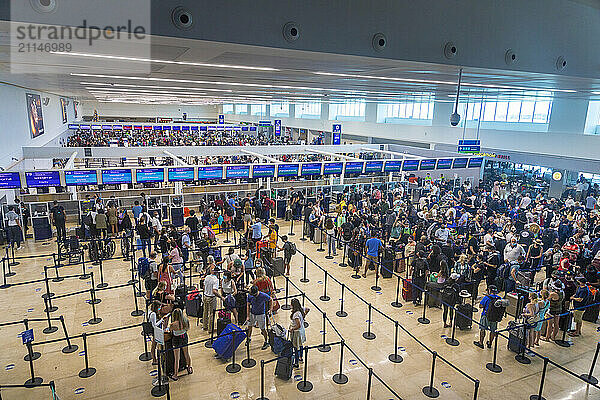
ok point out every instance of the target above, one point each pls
(229, 211)
(504, 271)
(88, 220)
(449, 294)
(292, 249)
(143, 268)
(496, 310)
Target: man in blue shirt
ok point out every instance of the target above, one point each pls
(258, 305)
(256, 232)
(484, 323)
(580, 299)
(137, 210)
(373, 245)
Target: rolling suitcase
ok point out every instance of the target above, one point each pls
(193, 304)
(591, 312)
(223, 320)
(318, 235)
(407, 293)
(515, 337)
(278, 266)
(464, 316)
(283, 368)
(387, 264)
(224, 344)
(434, 299)
(170, 359)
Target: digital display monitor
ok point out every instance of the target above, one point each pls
(166, 128)
(97, 127)
(428, 165)
(117, 127)
(147, 127)
(10, 180)
(205, 173)
(81, 178)
(333, 168)
(287, 169)
(263, 171)
(185, 128)
(311, 169)
(410, 165)
(374, 166)
(252, 129)
(354, 167)
(393, 166)
(42, 178)
(475, 162)
(444, 163)
(204, 128)
(107, 127)
(194, 128)
(150, 175)
(181, 174)
(157, 127)
(127, 127)
(84, 127)
(238, 172)
(137, 127)
(73, 126)
(244, 129)
(176, 128)
(460, 163)
(116, 176)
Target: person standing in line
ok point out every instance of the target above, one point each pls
(101, 224)
(257, 310)
(179, 327)
(14, 227)
(211, 292)
(112, 218)
(57, 214)
(289, 249)
(373, 246)
(296, 329)
(137, 210)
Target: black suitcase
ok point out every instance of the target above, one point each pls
(283, 368)
(515, 337)
(193, 307)
(434, 298)
(464, 316)
(222, 322)
(278, 269)
(387, 265)
(170, 359)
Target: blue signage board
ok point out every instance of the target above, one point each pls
(237, 172)
(117, 127)
(444, 163)
(221, 119)
(264, 123)
(157, 127)
(410, 165)
(475, 162)
(392, 166)
(10, 180)
(337, 128)
(337, 138)
(374, 166)
(206, 173)
(469, 146)
(277, 127)
(252, 129)
(428, 165)
(333, 168)
(311, 169)
(97, 127)
(27, 336)
(185, 128)
(150, 175)
(263, 170)
(73, 126)
(460, 163)
(116, 176)
(181, 174)
(204, 128)
(194, 128)
(42, 178)
(245, 129)
(166, 127)
(107, 127)
(81, 177)
(354, 167)
(287, 169)
(468, 142)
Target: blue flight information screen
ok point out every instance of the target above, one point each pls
(460, 163)
(206, 173)
(334, 168)
(410, 165)
(263, 171)
(238, 172)
(81, 178)
(42, 178)
(393, 165)
(287, 169)
(354, 167)
(10, 180)
(444, 163)
(181, 174)
(374, 166)
(427, 165)
(475, 162)
(150, 175)
(311, 169)
(116, 176)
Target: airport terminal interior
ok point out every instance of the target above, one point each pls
(299, 200)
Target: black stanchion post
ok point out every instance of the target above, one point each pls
(396, 303)
(137, 312)
(48, 293)
(132, 280)
(262, 381)
(521, 358)
(102, 284)
(70, 348)
(303, 238)
(10, 272)
(395, 357)
(84, 274)
(96, 301)
(369, 381)
(341, 313)
(146, 355)
(57, 265)
(286, 306)
(343, 263)
(324, 347)
(88, 371)
(34, 380)
(139, 293)
(233, 367)
(49, 329)
(368, 334)
(376, 287)
(5, 285)
(248, 362)
(589, 377)
(291, 232)
(423, 320)
(541, 389)
(325, 297)
(563, 342)
(340, 378)
(95, 320)
(329, 256)
(476, 390)
(430, 391)
(304, 385)
(452, 341)
(34, 355)
(160, 389)
(320, 249)
(209, 343)
(13, 262)
(227, 234)
(304, 278)
(493, 366)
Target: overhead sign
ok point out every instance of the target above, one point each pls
(221, 119)
(277, 127)
(469, 146)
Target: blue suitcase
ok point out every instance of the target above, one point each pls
(224, 345)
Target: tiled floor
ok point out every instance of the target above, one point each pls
(121, 375)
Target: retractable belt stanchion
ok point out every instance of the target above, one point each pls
(320, 249)
(49, 329)
(286, 306)
(563, 341)
(476, 389)
(9, 273)
(340, 378)
(95, 300)
(303, 238)
(304, 278)
(343, 263)
(69, 348)
(369, 381)
(304, 385)
(102, 284)
(34, 380)
(395, 357)
(291, 232)
(227, 234)
(541, 389)
(132, 280)
(368, 334)
(31, 355)
(493, 366)
(233, 367)
(521, 357)
(423, 320)
(324, 347)
(84, 274)
(262, 381)
(137, 312)
(452, 341)
(325, 297)
(430, 391)
(57, 265)
(146, 355)
(48, 293)
(341, 313)
(589, 377)
(248, 362)
(160, 389)
(329, 256)
(87, 371)
(13, 262)
(209, 343)
(95, 320)
(5, 285)
(396, 303)
(376, 287)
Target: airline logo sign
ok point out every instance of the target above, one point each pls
(277, 127)
(337, 134)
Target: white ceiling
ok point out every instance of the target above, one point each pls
(241, 73)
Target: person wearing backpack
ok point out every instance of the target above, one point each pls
(450, 297)
(289, 249)
(149, 273)
(581, 298)
(488, 308)
(330, 231)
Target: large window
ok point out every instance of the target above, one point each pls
(592, 122)
(258, 110)
(308, 110)
(532, 107)
(227, 108)
(349, 110)
(241, 109)
(414, 108)
(280, 109)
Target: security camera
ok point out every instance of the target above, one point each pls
(43, 6)
(454, 119)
